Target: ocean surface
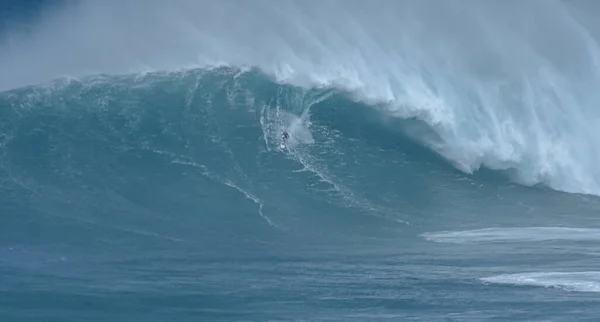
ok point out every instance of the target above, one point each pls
(442, 161)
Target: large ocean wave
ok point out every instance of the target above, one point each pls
(144, 174)
(497, 86)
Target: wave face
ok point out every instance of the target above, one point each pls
(173, 188)
(143, 176)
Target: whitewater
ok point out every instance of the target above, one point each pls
(441, 162)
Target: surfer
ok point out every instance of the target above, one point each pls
(284, 137)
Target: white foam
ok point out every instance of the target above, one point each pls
(573, 281)
(298, 129)
(514, 235)
(497, 90)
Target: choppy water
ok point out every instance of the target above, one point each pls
(438, 178)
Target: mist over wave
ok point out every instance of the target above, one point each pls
(506, 86)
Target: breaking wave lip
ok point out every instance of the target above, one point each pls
(567, 281)
(514, 235)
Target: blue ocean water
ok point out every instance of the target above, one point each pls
(434, 171)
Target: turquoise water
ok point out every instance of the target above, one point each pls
(164, 195)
